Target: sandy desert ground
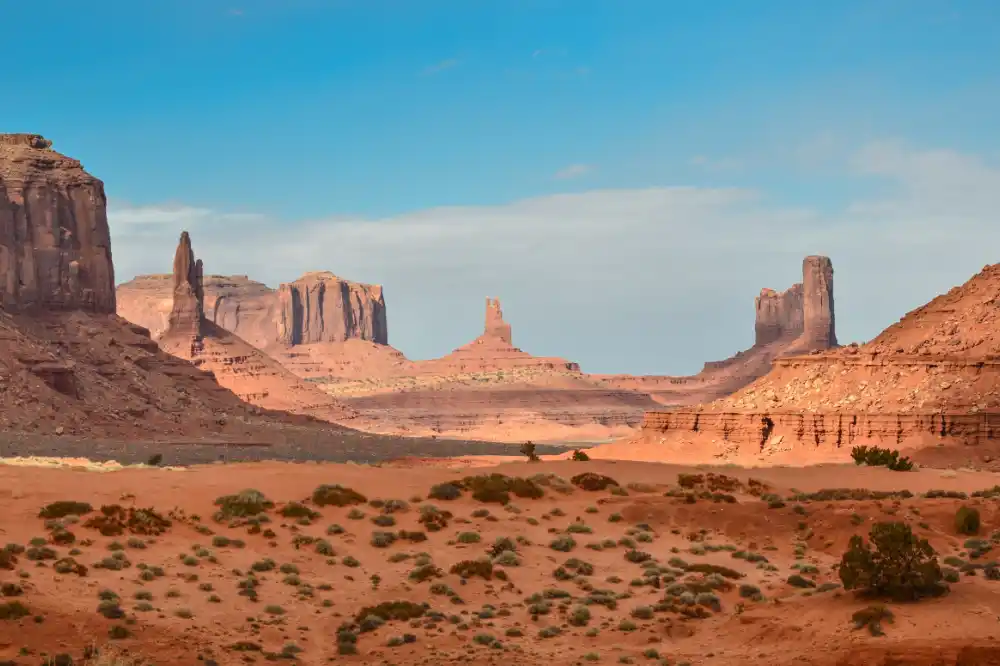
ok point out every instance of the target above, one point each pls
(717, 572)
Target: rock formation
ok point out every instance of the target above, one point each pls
(242, 368)
(318, 307)
(930, 380)
(495, 325)
(780, 316)
(69, 366)
(55, 245)
(819, 323)
(187, 314)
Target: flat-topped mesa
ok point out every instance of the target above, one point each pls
(321, 307)
(495, 326)
(55, 244)
(188, 312)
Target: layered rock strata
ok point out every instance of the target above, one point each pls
(931, 380)
(317, 308)
(55, 245)
(250, 373)
(70, 367)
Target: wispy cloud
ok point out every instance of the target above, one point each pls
(450, 63)
(574, 171)
(235, 12)
(680, 262)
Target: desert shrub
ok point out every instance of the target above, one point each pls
(336, 495)
(874, 456)
(753, 592)
(13, 610)
(580, 456)
(64, 508)
(243, 504)
(298, 510)
(592, 481)
(384, 520)
(388, 611)
(424, 572)
(705, 568)
(469, 537)
(433, 519)
(796, 580)
(472, 568)
(967, 520)
(383, 539)
(872, 618)
(579, 567)
(637, 556)
(445, 491)
(579, 616)
(895, 564)
(497, 488)
(68, 565)
(564, 543)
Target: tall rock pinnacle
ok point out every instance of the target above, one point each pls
(803, 313)
(188, 311)
(819, 329)
(55, 245)
(495, 326)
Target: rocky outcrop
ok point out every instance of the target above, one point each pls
(819, 323)
(55, 245)
(187, 313)
(779, 315)
(929, 381)
(318, 307)
(237, 365)
(321, 307)
(496, 327)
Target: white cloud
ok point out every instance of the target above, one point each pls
(648, 280)
(573, 171)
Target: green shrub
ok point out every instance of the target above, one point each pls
(874, 456)
(336, 495)
(967, 520)
(580, 456)
(896, 564)
(592, 481)
(872, 617)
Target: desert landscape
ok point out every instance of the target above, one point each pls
(204, 468)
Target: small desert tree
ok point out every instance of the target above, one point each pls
(895, 564)
(528, 450)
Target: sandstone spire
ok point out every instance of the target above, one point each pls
(188, 311)
(819, 325)
(779, 315)
(496, 327)
(55, 245)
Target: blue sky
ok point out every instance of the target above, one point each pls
(357, 118)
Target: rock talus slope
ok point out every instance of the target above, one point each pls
(933, 378)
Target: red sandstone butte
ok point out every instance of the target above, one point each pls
(930, 382)
(319, 307)
(55, 246)
(68, 364)
(248, 372)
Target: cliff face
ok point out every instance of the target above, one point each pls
(778, 316)
(318, 307)
(237, 365)
(931, 380)
(55, 245)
